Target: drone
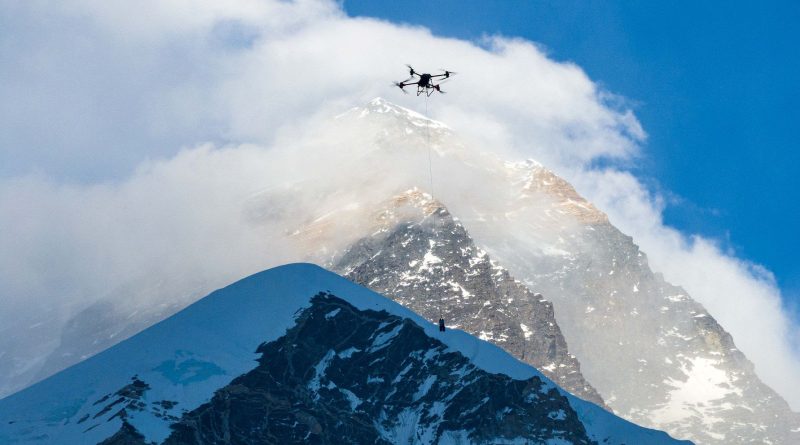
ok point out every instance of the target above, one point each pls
(425, 83)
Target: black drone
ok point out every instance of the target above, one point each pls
(425, 82)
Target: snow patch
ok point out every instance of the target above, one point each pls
(319, 371)
(382, 340)
(694, 397)
(525, 331)
(332, 313)
(353, 399)
(428, 260)
(424, 387)
(347, 353)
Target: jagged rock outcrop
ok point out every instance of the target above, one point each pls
(425, 260)
(342, 375)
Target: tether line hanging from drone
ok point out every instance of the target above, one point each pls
(428, 84)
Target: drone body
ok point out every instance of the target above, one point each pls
(426, 83)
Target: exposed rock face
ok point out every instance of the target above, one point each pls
(127, 435)
(425, 260)
(343, 375)
(566, 200)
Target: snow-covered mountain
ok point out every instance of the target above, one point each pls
(653, 354)
(299, 354)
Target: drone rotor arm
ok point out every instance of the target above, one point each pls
(401, 85)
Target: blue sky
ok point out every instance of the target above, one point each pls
(714, 85)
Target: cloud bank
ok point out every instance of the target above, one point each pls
(134, 136)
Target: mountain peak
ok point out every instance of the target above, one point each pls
(382, 107)
(417, 198)
(532, 176)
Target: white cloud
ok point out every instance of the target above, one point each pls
(104, 97)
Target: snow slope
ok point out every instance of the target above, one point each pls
(188, 356)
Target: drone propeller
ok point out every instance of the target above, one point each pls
(447, 73)
(411, 71)
(400, 85)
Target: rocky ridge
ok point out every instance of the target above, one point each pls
(347, 376)
(424, 259)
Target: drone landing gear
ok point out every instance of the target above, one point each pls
(427, 90)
